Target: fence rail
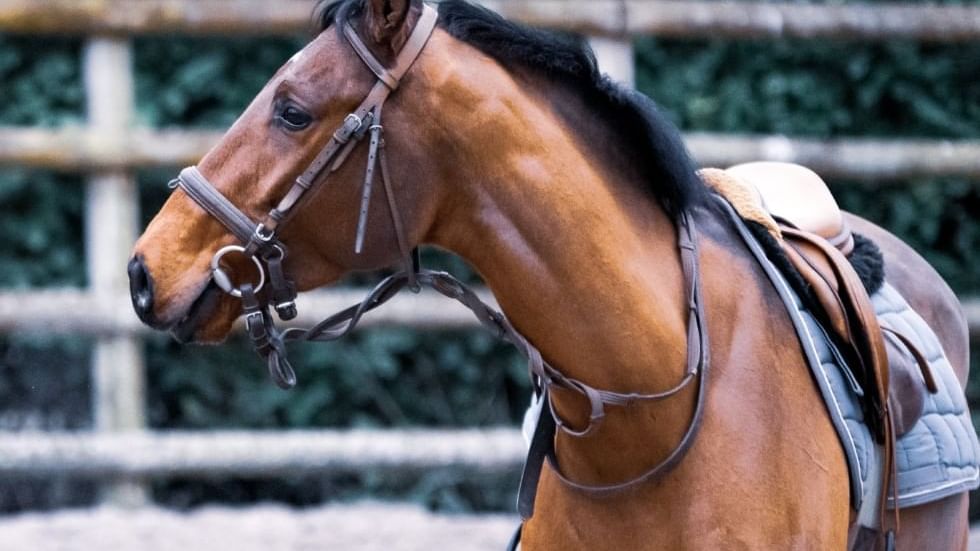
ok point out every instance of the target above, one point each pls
(80, 312)
(141, 455)
(594, 17)
(77, 312)
(79, 149)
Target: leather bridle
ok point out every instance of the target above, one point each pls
(260, 243)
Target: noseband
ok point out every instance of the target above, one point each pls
(260, 243)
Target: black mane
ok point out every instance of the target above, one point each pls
(651, 140)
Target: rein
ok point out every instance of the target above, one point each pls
(262, 246)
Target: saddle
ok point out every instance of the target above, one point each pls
(795, 206)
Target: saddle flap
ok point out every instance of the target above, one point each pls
(847, 311)
(851, 314)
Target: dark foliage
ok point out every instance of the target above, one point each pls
(18, 495)
(203, 82)
(391, 378)
(449, 491)
(40, 81)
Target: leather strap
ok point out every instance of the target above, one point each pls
(368, 186)
(217, 205)
(363, 52)
(928, 378)
(698, 364)
(515, 540)
(542, 444)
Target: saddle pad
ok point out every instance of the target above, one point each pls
(940, 455)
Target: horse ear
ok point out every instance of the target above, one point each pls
(389, 22)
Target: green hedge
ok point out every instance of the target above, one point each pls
(404, 377)
(842, 89)
(390, 378)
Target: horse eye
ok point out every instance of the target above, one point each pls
(294, 119)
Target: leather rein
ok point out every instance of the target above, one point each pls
(260, 243)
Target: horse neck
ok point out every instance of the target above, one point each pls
(581, 260)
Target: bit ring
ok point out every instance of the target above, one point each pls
(221, 278)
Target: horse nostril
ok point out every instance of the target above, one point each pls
(141, 290)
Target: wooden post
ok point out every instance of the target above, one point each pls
(110, 227)
(616, 58)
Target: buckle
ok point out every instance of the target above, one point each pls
(251, 318)
(275, 253)
(264, 234)
(352, 123)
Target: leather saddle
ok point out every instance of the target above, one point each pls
(797, 208)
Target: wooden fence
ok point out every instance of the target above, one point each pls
(872, 160)
(141, 455)
(615, 18)
(109, 148)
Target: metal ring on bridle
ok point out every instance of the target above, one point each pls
(221, 278)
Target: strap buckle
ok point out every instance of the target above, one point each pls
(251, 319)
(264, 234)
(352, 123)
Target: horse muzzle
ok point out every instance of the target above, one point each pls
(141, 292)
(184, 330)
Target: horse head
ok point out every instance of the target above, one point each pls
(307, 106)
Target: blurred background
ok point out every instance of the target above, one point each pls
(99, 107)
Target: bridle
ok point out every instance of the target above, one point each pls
(261, 244)
(260, 241)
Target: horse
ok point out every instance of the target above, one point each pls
(506, 146)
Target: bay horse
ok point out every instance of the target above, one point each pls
(564, 191)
